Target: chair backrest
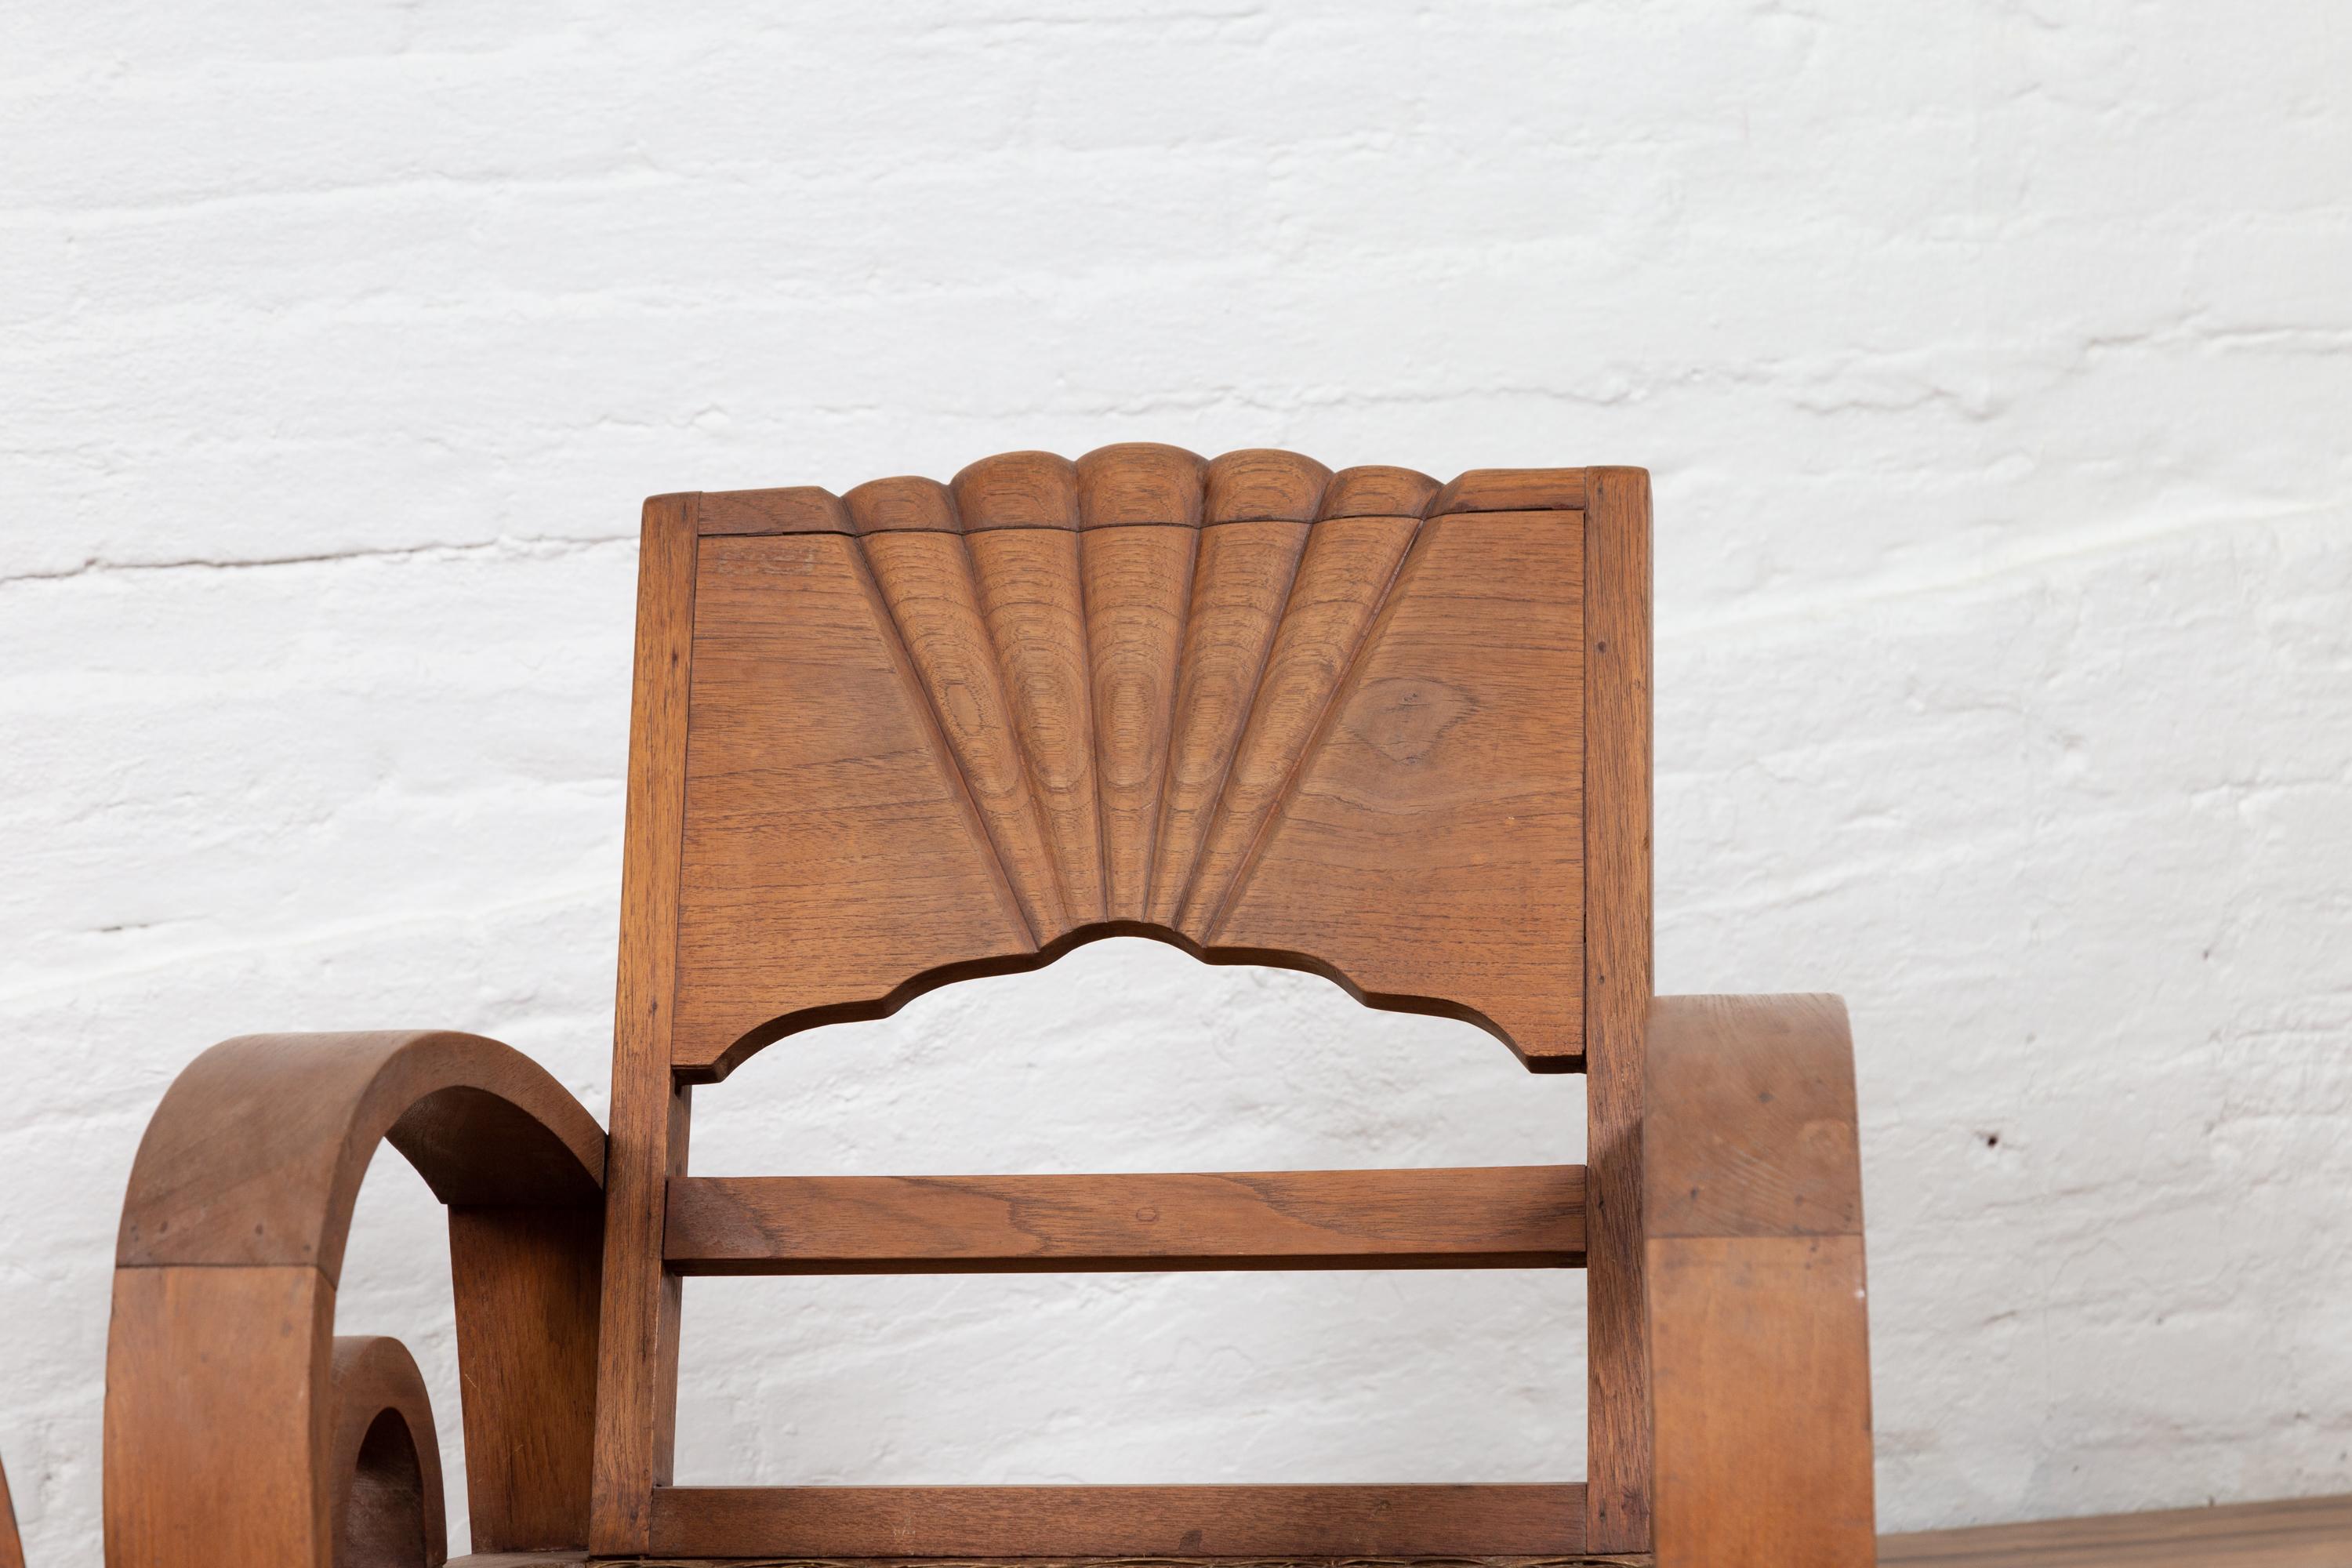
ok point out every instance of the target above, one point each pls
(1390, 731)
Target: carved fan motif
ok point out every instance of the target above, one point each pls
(1274, 713)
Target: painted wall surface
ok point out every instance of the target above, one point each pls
(1995, 364)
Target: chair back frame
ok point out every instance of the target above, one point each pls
(1393, 732)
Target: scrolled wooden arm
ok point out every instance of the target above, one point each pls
(1760, 1348)
(229, 1401)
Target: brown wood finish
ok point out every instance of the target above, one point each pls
(256, 1154)
(382, 1452)
(1342, 579)
(1029, 590)
(2301, 1533)
(1249, 705)
(636, 1365)
(1136, 483)
(1393, 733)
(1272, 713)
(1239, 587)
(829, 835)
(1378, 491)
(527, 1282)
(1526, 489)
(1308, 1522)
(796, 509)
(1617, 983)
(927, 581)
(1526, 1216)
(1137, 590)
(1759, 1330)
(232, 1239)
(1261, 483)
(194, 1354)
(1444, 795)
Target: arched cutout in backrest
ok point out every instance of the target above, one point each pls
(1130, 1054)
(1262, 712)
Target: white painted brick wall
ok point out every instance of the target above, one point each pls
(1994, 359)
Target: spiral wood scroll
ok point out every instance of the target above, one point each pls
(1273, 713)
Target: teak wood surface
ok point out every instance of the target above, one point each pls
(1524, 1217)
(1388, 730)
(1269, 713)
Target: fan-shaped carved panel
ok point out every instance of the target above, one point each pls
(1271, 712)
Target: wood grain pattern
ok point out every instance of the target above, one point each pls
(193, 1352)
(1050, 1520)
(2302, 1532)
(1137, 587)
(527, 1283)
(1762, 1141)
(1030, 591)
(1617, 984)
(961, 727)
(1455, 734)
(825, 817)
(923, 731)
(1342, 579)
(1141, 482)
(1759, 1326)
(796, 509)
(12, 1546)
(1239, 586)
(1017, 490)
(1522, 489)
(1265, 711)
(385, 1459)
(927, 581)
(910, 505)
(232, 1239)
(1261, 483)
(2299, 1532)
(636, 1361)
(1763, 1413)
(256, 1154)
(1497, 1217)
(1377, 491)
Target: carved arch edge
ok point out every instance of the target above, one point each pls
(868, 1009)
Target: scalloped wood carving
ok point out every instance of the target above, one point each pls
(1270, 712)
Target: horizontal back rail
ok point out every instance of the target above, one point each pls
(1510, 1217)
(1154, 1521)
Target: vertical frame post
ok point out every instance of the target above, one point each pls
(636, 1384)
(1617, 989)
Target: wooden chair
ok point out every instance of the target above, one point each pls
(1388, 730)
